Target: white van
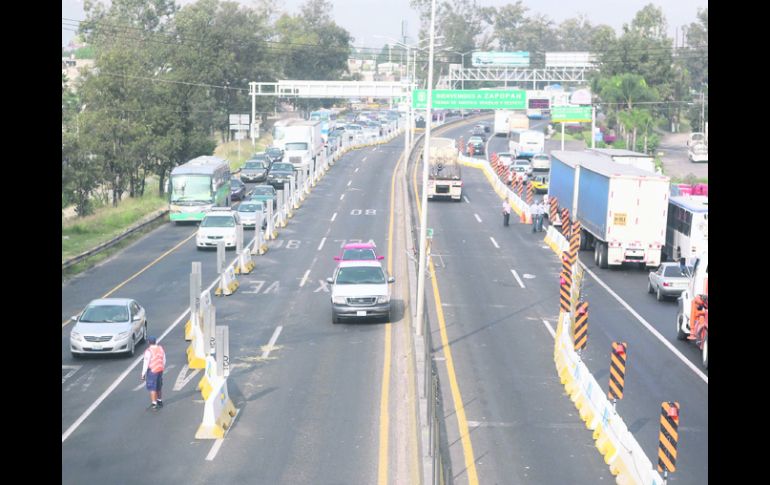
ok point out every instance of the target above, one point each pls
(526, 143)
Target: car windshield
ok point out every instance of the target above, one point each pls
(360, 275)
(273, 152)
(296, 146)
(262, 191)
(358, 254)
(254, 165)
(249, 207)
(218, 221)
(105, 314)
(283, 167)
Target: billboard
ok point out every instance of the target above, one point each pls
(569, 59)
(538, 103)
(495, 59)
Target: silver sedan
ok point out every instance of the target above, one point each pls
(668, 281)
(108, 326)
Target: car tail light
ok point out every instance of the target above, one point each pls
(666, 284)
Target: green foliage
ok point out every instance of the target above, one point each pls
(86, 52)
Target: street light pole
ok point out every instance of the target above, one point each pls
(425, 163)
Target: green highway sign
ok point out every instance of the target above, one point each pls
(428, 233)
(570, 113)
(471, 99)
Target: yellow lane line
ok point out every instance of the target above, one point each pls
(462, 422)
(140, 271)
(382, 468)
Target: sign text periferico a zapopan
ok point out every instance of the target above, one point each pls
(471, 99)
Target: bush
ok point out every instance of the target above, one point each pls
(653, 140)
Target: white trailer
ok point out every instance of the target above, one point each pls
(301, 141)
(507, 120)
(628, 157)
(622, 209)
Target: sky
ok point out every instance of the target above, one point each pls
(371, 21)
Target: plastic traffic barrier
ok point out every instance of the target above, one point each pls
(218, 411)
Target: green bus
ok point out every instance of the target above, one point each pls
(197, 186)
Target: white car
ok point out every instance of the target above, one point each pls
(523, 166)
(354, 132)
(505, 158)
(108, 326)
(219, 224)
(698, 152)
(359, 289)
(249, 211)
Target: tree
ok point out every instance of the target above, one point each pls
(313, 45)
(506, 23)
(625, 90)
(115, 131)
(696, 54)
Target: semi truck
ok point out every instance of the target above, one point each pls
(622, 209)
(507, 120)
(301, 141)
(628, 157)
(692, 319)
(444, 171)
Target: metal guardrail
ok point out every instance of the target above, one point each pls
(106, 245)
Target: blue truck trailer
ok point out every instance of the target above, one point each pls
(622, 209)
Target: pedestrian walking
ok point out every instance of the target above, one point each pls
(535, 208)
(543, 210)
(152, 371)
(506, 212)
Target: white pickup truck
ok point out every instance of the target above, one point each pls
(698, 148)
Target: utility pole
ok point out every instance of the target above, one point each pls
(425, 163)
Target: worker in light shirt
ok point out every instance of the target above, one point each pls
(152, 371)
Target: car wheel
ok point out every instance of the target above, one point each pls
(597, 249)
(650, 289)
(131, 347)
(705, 354)
(680, 335)
(659, 295)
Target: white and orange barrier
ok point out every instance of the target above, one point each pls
(627, 461)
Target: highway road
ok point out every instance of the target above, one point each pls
(333, 403)
(487, 328)
(310, 407)
(498, 302)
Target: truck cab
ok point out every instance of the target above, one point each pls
(693, 301)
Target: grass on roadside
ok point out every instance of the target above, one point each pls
(568, 136)
(103, 255)
(85, 233)
(229, 150)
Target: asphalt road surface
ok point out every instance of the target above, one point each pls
(309, 407)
